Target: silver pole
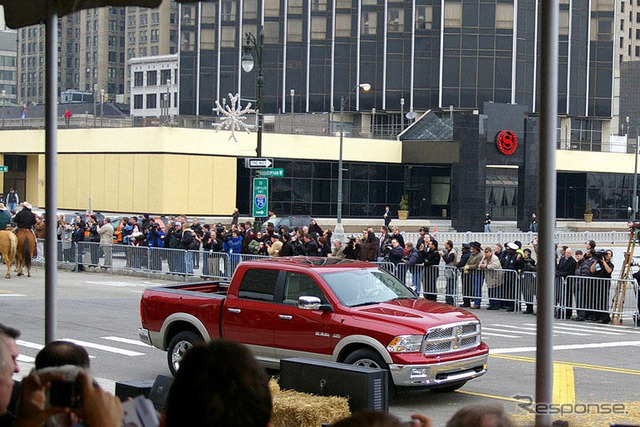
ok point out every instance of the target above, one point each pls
(51, 181)
(339, 228)
(634, 199)
(546, 207)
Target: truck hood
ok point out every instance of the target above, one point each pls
(420, 313)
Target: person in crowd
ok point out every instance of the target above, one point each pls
(198, 232)
(5, 217)
(500, 253)
(315, 229)
(8, 337)
(309, 246)
(338, 250)
(564, 295)
(513, 260)
(94, 238)
(477, 275)
(480, 416)
(287, 246)
(487, 223)
(465, 278)
(583, 269)
(414, 263)
(533, 223)
(370, 418)
(219, 384)
(155, 240)
(395, 234)
(106, 240)
(324, 245)
(384, 244)
(449, 257)
(25, 218)
(601, 268)
(65, 232)
(528, 285)
(77, 238)
(352, 248)
(274, 245)
(173, 240)
(235, 216)
(39, 229)
(387, 216)
(369, 249)
(189, 242)
(12, 200)
(490, 263)
(397, 253)
(431, 257)
(423, 239)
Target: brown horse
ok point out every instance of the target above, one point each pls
(25, 250)
(8, 245)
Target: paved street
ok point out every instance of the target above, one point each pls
(594, 363)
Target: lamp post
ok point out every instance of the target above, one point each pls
(401, 114)
(248, 62)
(167, 100)
(101, 105)
(95, 100)
(365, 87)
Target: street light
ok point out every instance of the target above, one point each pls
(365, 87)
(95, 100)
(101, 105)
(247, 65)
(167, 100)
(4, 93)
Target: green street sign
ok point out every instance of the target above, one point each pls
(260, 197)
(271, 173)
(4, 168)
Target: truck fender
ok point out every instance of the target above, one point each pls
(361, 340)
(182, 317)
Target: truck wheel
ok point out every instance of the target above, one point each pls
(178, 347)
(448, 388)
(366, 358)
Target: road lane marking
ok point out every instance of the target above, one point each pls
(493, 334)
(127, 341)
(604, 329)
(566, 347)
(2, 295)
(573, 364)
(491, 396)
(29, 344)
(104, 347)
(485, 328)
(520, 328)
(564, 389)
(588, 330)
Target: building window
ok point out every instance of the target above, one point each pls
(137, 102)
(155, 17)
(563, 20)
(294, 30)
(272, 8)
(164, 76)
(318, 5)
(154, 35)
(228, 37)
(601, 29)
(343, 4)
(271, 32)
(143, 19)
(152, 78)
(504, 17)
(318, 28)
(424, 17)
(452, 14)
(228, 8)
(138, 78)
(143, 35)
(143, 51)
(295, 7)
(343, 25)
(396, 20)
(151, 100)
(637, 51)
(369, 23)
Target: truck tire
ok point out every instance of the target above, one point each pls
(178, 347)
(366, 358)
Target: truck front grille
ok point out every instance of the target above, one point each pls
(450, 338)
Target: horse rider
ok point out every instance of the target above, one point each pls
(25, 218)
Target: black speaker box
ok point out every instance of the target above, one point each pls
(127, 389)
(366, 388)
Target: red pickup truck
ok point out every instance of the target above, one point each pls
(321, 308)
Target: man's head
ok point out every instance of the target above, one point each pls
(337, 243)
(568, 253)
(8, 337)
(408, 246)
(394, 242)
(219, 384)
(384, 229)
(488, 252)
(60, 353)
(6, 378)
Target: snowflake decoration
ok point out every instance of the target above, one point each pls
(233, 116)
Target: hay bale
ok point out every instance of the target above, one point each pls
(296, 409)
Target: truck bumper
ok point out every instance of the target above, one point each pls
(143, 335)
(438, 373)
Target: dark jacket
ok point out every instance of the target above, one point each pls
(566, 267)
(464, 257)
(396, 255)
(25, 219)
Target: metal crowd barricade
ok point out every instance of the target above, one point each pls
(528, 289)
(592, 297)
(387, 266)
(503, 286)
(472, 282)
(411, 276)
(451, 290)
(430, 281)
(216, 265)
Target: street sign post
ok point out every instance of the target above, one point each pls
(257, 162)
(271, 173)
(260, 197)
(4, 168)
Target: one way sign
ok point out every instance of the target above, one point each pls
(257, 163)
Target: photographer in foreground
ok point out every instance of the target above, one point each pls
(602, 269)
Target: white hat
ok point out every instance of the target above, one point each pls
(26, 205)
(512, 245)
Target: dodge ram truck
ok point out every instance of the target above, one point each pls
(322, 308)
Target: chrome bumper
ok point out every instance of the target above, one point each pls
(143, 335)
(438, 373)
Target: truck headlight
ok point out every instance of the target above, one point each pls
(405, 344)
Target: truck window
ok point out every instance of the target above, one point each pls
(299, 284)
(258, 285)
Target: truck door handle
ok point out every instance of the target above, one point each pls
(285, 316)
(234, 310)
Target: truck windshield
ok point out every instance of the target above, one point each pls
(366, 286)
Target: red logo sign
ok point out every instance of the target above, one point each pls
(507, 142)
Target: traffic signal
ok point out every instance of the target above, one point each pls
(19, 14)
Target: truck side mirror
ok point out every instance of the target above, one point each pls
(306, 302)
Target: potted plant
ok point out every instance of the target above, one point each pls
(403, 212)
(588, 213)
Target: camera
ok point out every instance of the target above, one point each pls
(600, 255)
(65, 392)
